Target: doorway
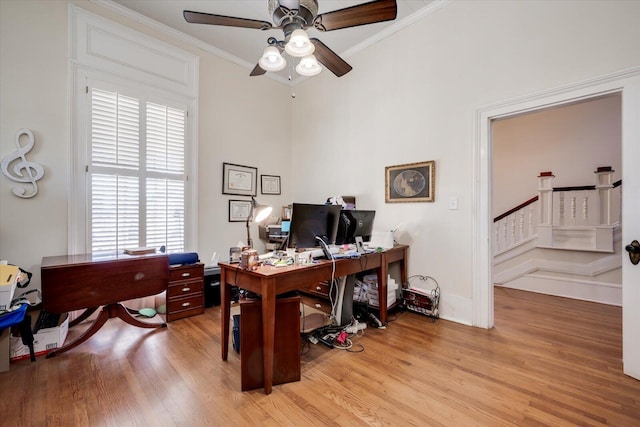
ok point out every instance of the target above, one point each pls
(571, 141)
(626, 82)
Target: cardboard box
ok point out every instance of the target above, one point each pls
(44, 341)
(8, 282)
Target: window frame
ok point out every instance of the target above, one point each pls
(80, 225)
(109, 52)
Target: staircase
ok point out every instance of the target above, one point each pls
(566, 241)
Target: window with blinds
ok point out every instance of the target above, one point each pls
(136, 173)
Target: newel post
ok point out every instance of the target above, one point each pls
(604, 186)
(545, 214)
(604, 229)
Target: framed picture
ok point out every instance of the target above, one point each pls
(239, 180)
(270, 184)
(412, 182)
(239, 210)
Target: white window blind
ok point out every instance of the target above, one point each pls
(136, 173)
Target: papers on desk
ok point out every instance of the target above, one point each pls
(381, 239)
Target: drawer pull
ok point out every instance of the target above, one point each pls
(185, 289)
(186, 304)
(318, 288)
(186, 274)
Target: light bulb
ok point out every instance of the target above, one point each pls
(299, 44)
(308, 66)
(272, 60)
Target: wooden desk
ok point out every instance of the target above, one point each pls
(87, 282)
(269, 281)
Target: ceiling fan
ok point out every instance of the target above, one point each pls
(294, 17)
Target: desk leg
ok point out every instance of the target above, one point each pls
(107, 312)
(403, 266)
(225, 290)
(84, 316)
(268, 331)
(383, 273)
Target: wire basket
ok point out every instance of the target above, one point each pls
(421, 294)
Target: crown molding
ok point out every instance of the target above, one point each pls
(397, 26)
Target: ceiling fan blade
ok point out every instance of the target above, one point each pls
(330, 59)
(362, 14)
(229, 21)
(257, 71)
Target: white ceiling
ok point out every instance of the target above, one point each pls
(244, 46)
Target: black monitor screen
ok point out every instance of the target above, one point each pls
(354, 223)
(309, 221)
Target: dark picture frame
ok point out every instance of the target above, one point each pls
(239, 180)
(269, 184)
(411, 182)
(239, 210)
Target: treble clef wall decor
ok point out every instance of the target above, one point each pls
(23, 170)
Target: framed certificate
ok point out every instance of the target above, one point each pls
(270, 184)
(239, 180)
(239, 210)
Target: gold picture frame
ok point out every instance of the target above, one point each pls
(411, 182)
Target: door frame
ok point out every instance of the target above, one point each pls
(482, 305)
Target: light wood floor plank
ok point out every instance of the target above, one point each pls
(548, 362)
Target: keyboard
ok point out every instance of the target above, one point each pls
(46, 320)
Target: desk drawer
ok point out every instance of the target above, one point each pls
(185, 291)
(186, 272)
(185, 307)
(320, 288)
(182, 289)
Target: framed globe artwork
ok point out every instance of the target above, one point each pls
(413, 182)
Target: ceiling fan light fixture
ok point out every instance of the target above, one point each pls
(272, 60)
(299, 44)
(308, 66)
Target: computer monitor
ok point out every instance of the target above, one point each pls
(364, 224)
(354, 223)
(309, 221)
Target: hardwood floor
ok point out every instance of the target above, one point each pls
(549, 361)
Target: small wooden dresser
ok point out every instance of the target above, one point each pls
(185, 292)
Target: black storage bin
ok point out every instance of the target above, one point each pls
(211, 286)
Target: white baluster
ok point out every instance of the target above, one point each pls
(521, 221)
(585, 209)
(504, 226)
(561, 207)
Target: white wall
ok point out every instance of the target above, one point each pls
(240, 122)
(570, 141)
(411, 97)
(34, 94)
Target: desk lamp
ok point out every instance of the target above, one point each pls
(257, 213)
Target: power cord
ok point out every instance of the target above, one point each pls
(332, 283)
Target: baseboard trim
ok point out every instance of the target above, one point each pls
(600, 292)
